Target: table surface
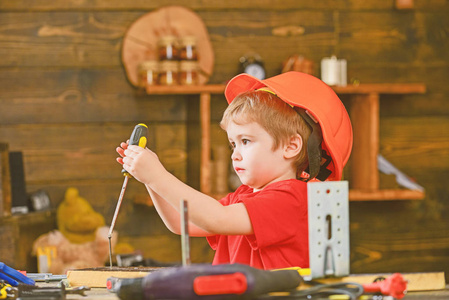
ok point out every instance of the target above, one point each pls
(104, 294)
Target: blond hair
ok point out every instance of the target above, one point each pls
(278, 118)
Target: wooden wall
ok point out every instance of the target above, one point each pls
(65, 102)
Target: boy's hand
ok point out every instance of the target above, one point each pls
(121, 151)
(142, 164)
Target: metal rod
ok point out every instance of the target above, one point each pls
(185, 240)
(114, 219)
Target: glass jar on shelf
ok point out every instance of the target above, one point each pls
(188, 72)
(188, 48)
(148, 73)
(168, 72)
(168, 47)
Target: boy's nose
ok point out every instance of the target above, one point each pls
(235, 155)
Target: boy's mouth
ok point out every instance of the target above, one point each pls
(238, 170)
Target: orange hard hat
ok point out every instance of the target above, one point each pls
(319, 102)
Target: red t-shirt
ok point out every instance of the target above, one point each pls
(278, 215)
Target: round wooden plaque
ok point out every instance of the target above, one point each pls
(141, 39)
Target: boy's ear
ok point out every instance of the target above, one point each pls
(293, 146)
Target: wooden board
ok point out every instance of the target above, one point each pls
(97, 277)
(141, 39)
(415, 281)
(5, 181)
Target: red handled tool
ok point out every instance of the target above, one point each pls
(395, 286)
(139, 138)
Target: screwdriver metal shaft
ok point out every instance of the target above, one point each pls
(114, 219)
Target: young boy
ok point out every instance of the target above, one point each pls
(284, 131)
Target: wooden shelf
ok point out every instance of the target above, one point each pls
(385, 194)
(185, 89)
(382, 88)
(364, 111)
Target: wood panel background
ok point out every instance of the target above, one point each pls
(65, 102)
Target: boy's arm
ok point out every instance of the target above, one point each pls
(204, 211)
(171, 217)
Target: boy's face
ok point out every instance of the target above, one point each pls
(253, 157)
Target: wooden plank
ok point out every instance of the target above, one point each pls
(185, 89)
(5, 181)
(75, 96)
(17, 234)
(97, 277)
(46, 5)
(8, 242)
(364, 114)
(50, 153)
(415, 281)
(385, 194)
(398, 236)
(205, 169)
(164, 246)
(363, 28)
(423, 140)
(68, 38)
(382, 88)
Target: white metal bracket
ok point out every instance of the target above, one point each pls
(328, 208)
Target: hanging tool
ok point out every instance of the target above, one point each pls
(185, 238)
(403, 180)
(139, 138)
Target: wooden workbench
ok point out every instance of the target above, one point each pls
(104, 294)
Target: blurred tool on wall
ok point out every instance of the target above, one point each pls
(298, 63)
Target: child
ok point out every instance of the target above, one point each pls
(288, 127)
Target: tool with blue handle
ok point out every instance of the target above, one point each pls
(13, 277)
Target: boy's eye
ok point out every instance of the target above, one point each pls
(232, 145)
(245, 141)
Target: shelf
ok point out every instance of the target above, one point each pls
(385, 194)
(382, 88)
(364, 111)
(377, 88)
(185, 89)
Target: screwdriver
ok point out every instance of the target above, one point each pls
(139, 138)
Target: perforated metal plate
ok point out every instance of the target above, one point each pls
(328, 228)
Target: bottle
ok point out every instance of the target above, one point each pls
(168, 48)
(148, 73)
(187, 48)
(168, 72)
(188, 72)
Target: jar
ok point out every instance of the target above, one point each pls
(168, 72)
(168, 48)
(188, 72)
(147, 73)
(187, 48)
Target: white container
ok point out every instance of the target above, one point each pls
(333, 71)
